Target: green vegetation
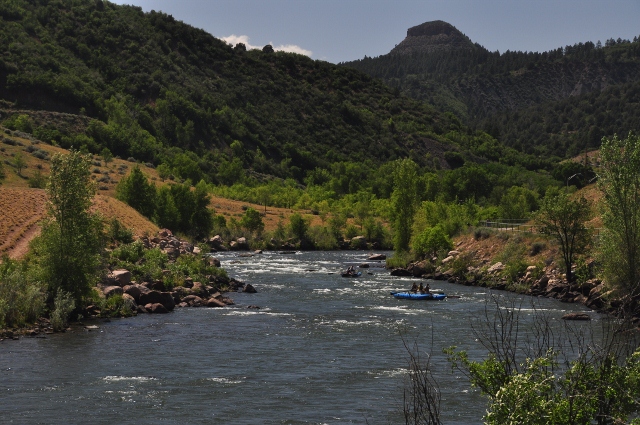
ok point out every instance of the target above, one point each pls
(542, 382)
(619, 180)
(69, 250)
(564, 219)
(542, 103)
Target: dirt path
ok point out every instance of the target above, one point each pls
(20, 212)
(21, 247)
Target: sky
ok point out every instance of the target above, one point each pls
(345, 30)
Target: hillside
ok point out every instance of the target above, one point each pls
(94, 74)
(24, 207)
(517, 96)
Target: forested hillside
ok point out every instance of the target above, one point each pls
(557, 102)
(163, 92)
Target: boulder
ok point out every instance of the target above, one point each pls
(213, 302)
(122, 276)
(213, 261)
(198, 289)
(401, 272)
(141, 309)
(193, 300)
(165, 233)
(112, 290)
(196, 250)
(132, 302)
(449, 259)
(217, 243)
(364, 266)
(156, 308)
(497, 267)
(242, 244)
(576, 316)
(453, 253)
(133, 291)
(157, 297)
(377, 257)
(358, 242)
(555, 285)
(248, 288)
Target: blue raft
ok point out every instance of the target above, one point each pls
(413, 296)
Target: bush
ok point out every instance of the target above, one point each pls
(399, 260)
(21, 301)
(537, 248)
(117, 233)
(481, 233)
(63, 305)
(430, 241)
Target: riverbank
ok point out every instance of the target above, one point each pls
(520, 263)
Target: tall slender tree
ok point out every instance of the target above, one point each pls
(619, 180)
(403, 202)
(71, 242)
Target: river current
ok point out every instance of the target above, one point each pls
(321, 349)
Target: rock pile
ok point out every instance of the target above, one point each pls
(546, 282)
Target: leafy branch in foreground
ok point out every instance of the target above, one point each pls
(541, 377)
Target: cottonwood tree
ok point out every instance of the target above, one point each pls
(619, 180)
(70, 246)
(564, 219)
(403, 202)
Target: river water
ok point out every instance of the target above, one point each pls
(322, 349)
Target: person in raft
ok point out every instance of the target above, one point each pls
(421, 288)
(427, 289)
(414, 288)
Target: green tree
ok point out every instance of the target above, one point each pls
(71, 244)
(564, 219)
(136, 191)
(299, 226)
(403, 202)
(201, 220)
(430, 241)
(252, 221)
(619, 180)
(19, 162)
(106, 155)
(166, 214)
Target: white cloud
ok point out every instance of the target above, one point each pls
(291, 48)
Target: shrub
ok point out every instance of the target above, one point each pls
(21, 301)
(461, 263)
(481, 233)
(351, 231)
(430, 241)
(537, 248)
(118, 233)
(399, 259)
(63, 305)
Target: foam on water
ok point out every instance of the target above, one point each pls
(220, 380)
(129, 378)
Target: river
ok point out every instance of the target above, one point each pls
(321, 349)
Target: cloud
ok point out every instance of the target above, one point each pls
(291, 48)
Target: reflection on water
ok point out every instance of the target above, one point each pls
(322, 349)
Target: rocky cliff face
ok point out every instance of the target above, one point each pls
(431, 37)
